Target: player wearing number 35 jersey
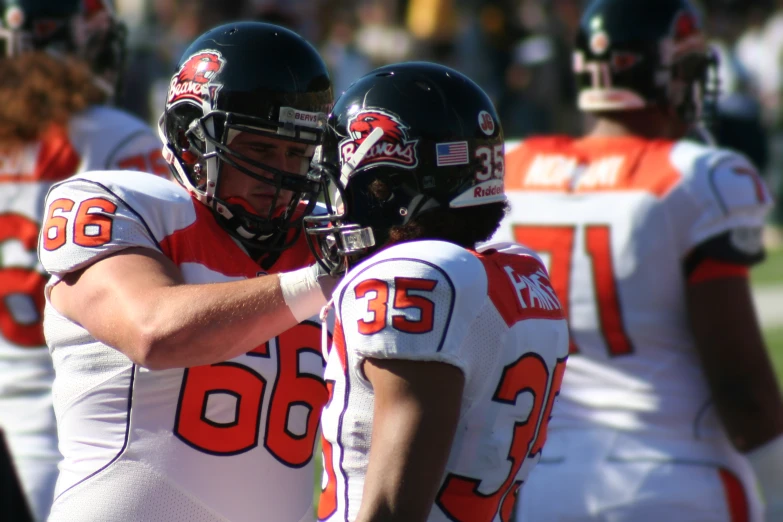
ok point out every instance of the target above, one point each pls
(188, 381)
(445, 362)
(648, 240)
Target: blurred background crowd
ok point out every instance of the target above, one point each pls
(517, 50)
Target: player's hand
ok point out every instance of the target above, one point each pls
(328, 282)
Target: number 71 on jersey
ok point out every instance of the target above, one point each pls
(559, 242)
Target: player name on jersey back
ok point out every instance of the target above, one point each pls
(562, 172)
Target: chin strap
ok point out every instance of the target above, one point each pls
(418, 205)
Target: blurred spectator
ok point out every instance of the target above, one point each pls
(519, 51)
(346, 63)
(380, 35)
(738, 117)
(760, 61)
(739, 127)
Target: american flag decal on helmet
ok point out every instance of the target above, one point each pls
(455, 153)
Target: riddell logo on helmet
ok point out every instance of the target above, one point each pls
(195, 76)
(393, 148)
(487, 190)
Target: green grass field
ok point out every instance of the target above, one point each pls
(774, 340)
(771, 273)
(771, 270)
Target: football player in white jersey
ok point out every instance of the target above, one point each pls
(59, 63)
(186, 389)
(445, 362)
(670, 409)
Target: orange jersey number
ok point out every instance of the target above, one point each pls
(21, 285)
(291, 388)
(151, 162)
(558, 242)
(327, 504)
(377, 305)
(459, 497)
(92, 224)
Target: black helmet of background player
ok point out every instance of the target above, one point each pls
(633, 54)
(401, 141)
(247, 77)
(86, 29)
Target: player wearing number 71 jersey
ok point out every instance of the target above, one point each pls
(185, 390)
(445, 362)
(648, 239)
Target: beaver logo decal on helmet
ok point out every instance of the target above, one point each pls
(393, 148)
(195, 76)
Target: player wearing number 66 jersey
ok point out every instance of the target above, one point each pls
(648, 240)
(188, 381)
(445, 362)
(60, 61)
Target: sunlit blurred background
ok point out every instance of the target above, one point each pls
(517, 50)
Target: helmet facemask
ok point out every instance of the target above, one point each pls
(694, 89)
(205, 154)
(334, 238)
(240, 128)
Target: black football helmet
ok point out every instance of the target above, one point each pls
(87, 29)
(632, 54)
(247, 77)
(403, 140)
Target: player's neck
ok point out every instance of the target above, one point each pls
(645, 124)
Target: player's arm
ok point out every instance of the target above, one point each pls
(740, 376)
(417, 407)
(726, 329)
(136, 301)
(111, 278)
(406, 321)
(735, 360)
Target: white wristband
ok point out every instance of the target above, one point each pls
(302, 293)
(767, 463)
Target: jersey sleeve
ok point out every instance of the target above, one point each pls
(412, 309)
(110, 139)
(139, 151)
(86, 221)
(719, 211)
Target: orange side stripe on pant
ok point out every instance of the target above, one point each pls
(736, 499)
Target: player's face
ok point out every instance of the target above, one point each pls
(236, 186)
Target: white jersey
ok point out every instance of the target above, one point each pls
(229, 441)
(615, 220)
(98, 138)
(494, 316)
